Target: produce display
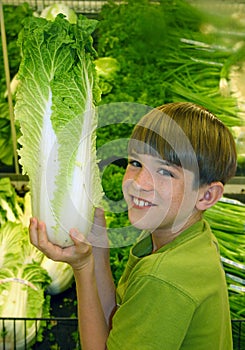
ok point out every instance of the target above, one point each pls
(13, 17)
(61, 67)
(227, 220)
(173, 51)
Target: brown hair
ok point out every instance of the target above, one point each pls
(189, 136)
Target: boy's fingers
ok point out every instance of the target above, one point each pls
(33, 231)
(80, 241)
(42, 235)
(38, 236)
(77, 236)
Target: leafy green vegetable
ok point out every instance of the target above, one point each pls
(22, 295)
(11, 240)
(167, 53)
(61, 275)
(106, 68)
(227, 221)
(55, 107)
(10, 204)
(53, 10)
(6, 146)
(13, 17)
(22, 285)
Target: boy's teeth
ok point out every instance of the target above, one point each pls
(140, 202)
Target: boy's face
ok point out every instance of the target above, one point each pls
(159, 195)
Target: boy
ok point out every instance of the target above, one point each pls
(173, 293)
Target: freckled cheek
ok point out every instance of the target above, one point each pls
(170, 195)
(181, 198)
(125, 177)
(128, 177)
(125, 185)
(165, 189)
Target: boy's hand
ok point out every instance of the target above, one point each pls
(78, 255)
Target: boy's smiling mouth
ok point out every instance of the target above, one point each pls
(141, 203)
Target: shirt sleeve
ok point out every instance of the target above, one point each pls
(153, 315)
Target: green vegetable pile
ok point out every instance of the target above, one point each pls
(13, 17)
(169, 51)
(227, 220)
(166, 52)
(152, 53)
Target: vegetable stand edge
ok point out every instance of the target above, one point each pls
(55, 326)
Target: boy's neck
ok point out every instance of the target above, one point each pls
(161, 237)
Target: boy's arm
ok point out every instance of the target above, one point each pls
(94, 283)
(102, 269)
(105, 282)
(93, 326)
(96, 301)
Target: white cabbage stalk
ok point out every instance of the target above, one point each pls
(55, 106)
(13, 303)
(21, 296)
(61, 275)
(27, 213)
(10, 216)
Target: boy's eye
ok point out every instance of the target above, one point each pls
(134, 163)
(165, 172)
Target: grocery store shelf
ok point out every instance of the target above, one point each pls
(20, 182)
(90, 6)
(86, 6)
(235, 189)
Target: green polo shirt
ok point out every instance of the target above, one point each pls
(175, 298)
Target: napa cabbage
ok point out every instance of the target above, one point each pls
(10, 203)
(11, 239)
(22, 296)
(22, 287)
(60, 273)
(55, 106)
(50, 12)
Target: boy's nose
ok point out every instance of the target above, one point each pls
(144, 180)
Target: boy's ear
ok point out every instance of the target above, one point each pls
(209, 195)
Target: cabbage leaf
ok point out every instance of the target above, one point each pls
(55, 106)
(22, 286)
(22, 296)
(61, 275)
(10, 202)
